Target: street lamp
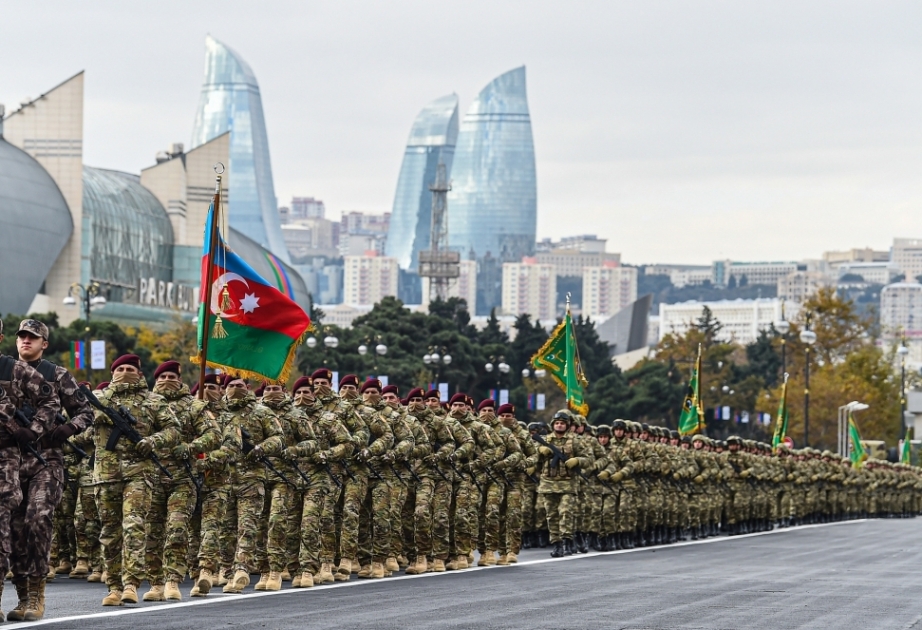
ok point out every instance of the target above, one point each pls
(844, 411)
(783, 326)
(808, 338)
(90, 295)
(903, 352)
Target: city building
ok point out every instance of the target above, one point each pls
(530, 287)
(901, 311)
(627, 331)
(432, 141)
(323, 278)
(801, 285)
(369, 278)
(230, 101)
(726, 272)
(306, 208)
(308, 238)
(492, 213)
(465, 286)
(608, 289)
(571, 255)
(864, 254)
(867, 272)
(681, 275)
(907, 256)
(742, 320)
(361, 232)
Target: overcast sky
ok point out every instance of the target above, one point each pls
(680, 131)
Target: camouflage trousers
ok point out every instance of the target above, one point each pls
(628, 505)
(64, 535)
(353, 500)
(608, 523)
(442, 519)
(10, 498)
(293, 537)
(467, 500)
(561, 514)
(416, 519)
(317, 523)
(123, 510)
(400, 492)
(244, 510)
(213, 521)
(86, 527)
(168, 524)
(510, 526)
(530, 521)
(272, 542)
(592, 522)
(32, 522)
(489, 513)
(375, 521)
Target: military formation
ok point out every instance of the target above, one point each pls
(131, 484)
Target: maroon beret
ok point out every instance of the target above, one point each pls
(416, 392)
(259, 390)
(168, 366)
(371, 383)
(489, 402)
(433, 393)
(194, 389)
(304, 381)
(404, 401)
(349, 379)
(212, 379)
(507, 408)
(102, 385)
(458, 398)
(228, 379)
(127, 359)
(391, 389)
(323, 373)
(469, 402)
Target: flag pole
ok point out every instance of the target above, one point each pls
(209, 280)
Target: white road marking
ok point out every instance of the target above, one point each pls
(120, 612)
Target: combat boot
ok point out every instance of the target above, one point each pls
(286, 575)
(512, 557)
(155, 594)
(419, 567)
(438, 565)
(487, 559)
(94, 576)
(594, 542)
(377, 570)
(402, 562)
(526, 540)
(296, 581)
(365, 571)
(80, 570)
(503, 561)
(559, 551)
(343, 570)
(274, 583)
(306, 580)
(325, 576)
(545, 538)
(36, 608)
(195, 592)
(171, 591)
(241, 580)
(391, 564)
(569, 547)
(223, 576)
(205, 581)
(130, 594)
(261, 585)
(64, 566)
(114, 598)
(51, 574)
(22, 591)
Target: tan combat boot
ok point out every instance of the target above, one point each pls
(296, 581)
(286, 575)
(81, 570)
(343, 570)
(411, 570)
(241, 580)
(452, 565)
(377, 570)
(64, 566)
(171, 591)
(307, 580)
(511, 558)
(503, 560)
(155, 594)
(470, 559)
(94, 576)
(487, 559)
(438, 565)
(326, 573)
(463, 562)
(22, 591)
(365, 571)
(402, 561)
(50, 576)
(36, 608)
(114, 598)
(261, 585)
(355, 565)
(130, 594)
(222, 576)
(104, 577)
(391, 564)
(274, 583)
(205, 581)
(422, 566)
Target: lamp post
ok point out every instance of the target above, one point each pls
(435, 360)
(501, 368)
(90, 295)
(903, 352)
(783, 326)
(379, 350)
(330, 341)
(808, 338)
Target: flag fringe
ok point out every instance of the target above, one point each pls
(283, 375)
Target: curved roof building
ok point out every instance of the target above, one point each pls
(432, 140)
(230, 101)
(127, 234)
(492, 207)
(35, 225)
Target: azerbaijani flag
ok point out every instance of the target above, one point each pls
(254, 329)
(78, 355)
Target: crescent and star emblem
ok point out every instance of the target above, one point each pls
(248, 304)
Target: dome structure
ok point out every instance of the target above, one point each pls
(35, 225)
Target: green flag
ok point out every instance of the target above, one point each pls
(560, 357)
(781, 422)
(858, 454)
(906, 451)
(691, 420)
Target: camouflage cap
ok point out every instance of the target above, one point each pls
(33, 327)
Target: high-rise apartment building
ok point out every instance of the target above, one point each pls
(901, 310)
(230, 101)
(431, 142)
(464, 286)
(742, 320)
(607, 289)
(368, 279)
(492, 212)
(907, 256)
(725, 272)
(802, 285)
(570, 255)
(530, 287)
(306, 208)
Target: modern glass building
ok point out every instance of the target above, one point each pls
(230, 101)
(432, 140)
(492, 208)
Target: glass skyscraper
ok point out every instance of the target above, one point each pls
(432, 140)
(492, 207)
(230, 101)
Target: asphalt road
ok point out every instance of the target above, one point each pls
(862, 574)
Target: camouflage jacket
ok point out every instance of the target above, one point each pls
(556, 478)
(198, 424)
(27, 388)
(264, 429)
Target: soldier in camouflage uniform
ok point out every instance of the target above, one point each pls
(86, 517)
(173, 502)
(511, 526)
(125, 476)
(402, 525)
(417, 513)
(508, 457)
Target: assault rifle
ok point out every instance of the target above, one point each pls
(123, 424)
(248, 447)
(559, 458)
(59, 419)
(25, 423)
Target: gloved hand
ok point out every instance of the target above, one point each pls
(145, 447)
(204, 465)
(196, 449)
(699, 479)
(388, 457)
(62, 433)
(23, 435)
(546, 451)
(319, 458)
(363, 455)
(573, 462)
(500, 465)
(604, 475)
(431, 460)
(745, 474)
(530, 470)
(181, 451)
(255, 454)
(291, 453)
(676, 476)
(618, 476)
(444, 455)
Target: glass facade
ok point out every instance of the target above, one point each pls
(492, 207)
(230, 101)
(432, 140)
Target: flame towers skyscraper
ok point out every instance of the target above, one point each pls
(230, 101)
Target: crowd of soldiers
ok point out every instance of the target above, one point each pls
(312, 486)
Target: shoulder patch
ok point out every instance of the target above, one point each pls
(46, 389)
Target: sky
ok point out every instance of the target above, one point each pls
(683, 132)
